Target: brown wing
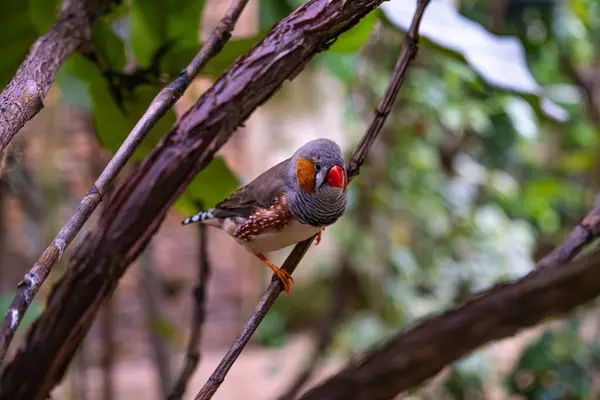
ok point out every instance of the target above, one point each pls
(261, 192)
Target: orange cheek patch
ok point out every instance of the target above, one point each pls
(305, 174)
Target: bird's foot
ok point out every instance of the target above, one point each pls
(283, 275)
(318, 239)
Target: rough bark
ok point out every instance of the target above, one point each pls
(410, 358)
(35, 278)
(138, 207)
(24, 96)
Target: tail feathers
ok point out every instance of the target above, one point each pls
(200, 217)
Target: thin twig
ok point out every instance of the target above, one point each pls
(411, 357)
(265, 303)
(583, 234)
(325, 329)
(192, 355)
(150, 291)
(138, 208)
(24, 96)
(407, 54)
(28, 288)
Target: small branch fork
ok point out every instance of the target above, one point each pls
(192, 356)
(33, 280)
(407, 54)
(24, 96)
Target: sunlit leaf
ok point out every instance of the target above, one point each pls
(356, 37)
(156, 23)
(500, 61)
(211, 185)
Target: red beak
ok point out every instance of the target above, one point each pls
(335, 177)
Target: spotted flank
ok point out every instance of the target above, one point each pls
(201, 216)
(275, 217)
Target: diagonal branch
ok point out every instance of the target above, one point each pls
(584, 233)
(265, 303)
(332, 317)
(192, 355)
(136, 210)
(410, 358)
(24, 96)
(28, 288)
(407, 54)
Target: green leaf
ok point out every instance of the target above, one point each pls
(547, 188)
(155, 23)
(272, 11)
(233, 49)
(210, 186)
(32, 313)
(113, 123)
(17, 34)
(109, 47)
(357, 37)
(500, 61)
(43, 13)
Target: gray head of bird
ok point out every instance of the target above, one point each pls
(318, 175)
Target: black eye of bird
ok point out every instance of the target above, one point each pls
(317, 166)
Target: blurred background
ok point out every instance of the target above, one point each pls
(488, 159)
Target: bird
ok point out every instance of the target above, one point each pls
(287, 204)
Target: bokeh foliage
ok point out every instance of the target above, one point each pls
(489, 157)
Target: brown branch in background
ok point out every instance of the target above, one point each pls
(325, 330)
(24, 96)
(29, 286)
(108, 350)
(583, 234)
(79, 381)
(263, 306)
(407, 54)
(138, 207)
(150, 289)
(192, 354)
(408, 359)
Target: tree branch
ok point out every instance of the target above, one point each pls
(192, 355)
(407, 54)
(24, 96)
(583, 234)
(150, 290)
(28, 288)
(325, 330)
(410, 358)
(136, 210)
(265, 303)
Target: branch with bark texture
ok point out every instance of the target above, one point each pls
(24, 96)
(410, 358)
(192, 354)
(136, 210)
(584, 233)
(264, 304)
(407, 54)
(325, 330)
(28, 288)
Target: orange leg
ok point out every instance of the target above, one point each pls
(318, 240)
(283, 275)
